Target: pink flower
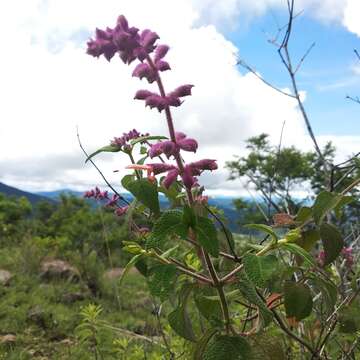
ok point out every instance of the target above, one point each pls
(121, 210)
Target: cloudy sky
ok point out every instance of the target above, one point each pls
(49, 86)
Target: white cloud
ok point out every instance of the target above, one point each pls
(351, 16)
(49, 86)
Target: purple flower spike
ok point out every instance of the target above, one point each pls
(205, 164)
(143, 94)
(159, 168)
(156, 101)
(188, 179)
(155, 150)
(121, 20)
(188, 144)
(169, 148)
(148, 39)
(144, 70)
(162, 65)
(121, 210)
(183, 90)
(170, 178)
(179, 136)
(173, 101)
(160, 52)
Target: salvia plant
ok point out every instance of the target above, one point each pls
(284, 297)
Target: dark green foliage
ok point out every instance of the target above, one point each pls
(146, 192)
(161, 280)
(169, 224)
(223, 347)
(332, 242)
(298, 300)
(259, 269)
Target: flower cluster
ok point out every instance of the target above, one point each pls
(132, 44)
(346, 252)
(112, 202)
(170, 148)
(122, 141)
(188, 176)
(125, 40)
(159, 102)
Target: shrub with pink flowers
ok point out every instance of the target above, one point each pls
(266, 300)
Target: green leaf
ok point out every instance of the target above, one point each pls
(202, 343)
(259, 268)
(108, 148)
(264, 228)
(161, 280)
(328, 291)
(339, 207)
(324, 203)
(299, 251)
(209, 308)
(222, 347)
(349, 319)
(266, 346)
(332, 242)
(144, 138)
(304, 214)
(169, 224)
(308, 239)
(189, 218)
(298, 300)
(179, 319)
(128, 266)
(146, 192)
(293, 235)
(126, 180)
(248, 290)
(207, 235)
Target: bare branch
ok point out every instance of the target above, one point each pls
(253, 71)
(304, 57)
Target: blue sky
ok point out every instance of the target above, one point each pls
(50, 86)
(327, 74)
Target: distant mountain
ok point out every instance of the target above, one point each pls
(223, 203)
(12, 191)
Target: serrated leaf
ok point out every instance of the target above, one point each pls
(189, 218)
(202, 343)
(128, 266)
(126, 180)
(324, 203)
(221, 347)
(308, 239)
(332, 242)
(146, 192)
(146, 138)
(209, 307)
(297, 300)
(264, 228)
(304, 214)
(265, 346)
(161, 280)
(180, 322)
(179, 319)
(248, 290)
(207, 235)
(328, 291)
(169, 224)
(339, 207)
(299, 251)
(259, 268)
(108, 148)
